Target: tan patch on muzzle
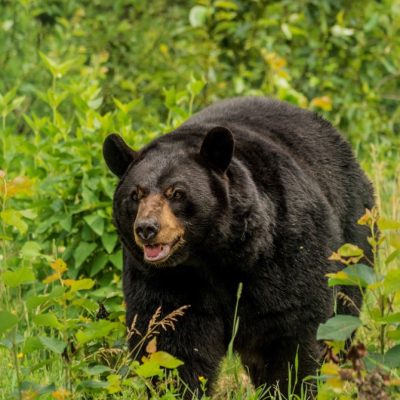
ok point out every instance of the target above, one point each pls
(156, 207)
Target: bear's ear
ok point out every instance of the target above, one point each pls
(117, 154)
(217, 148)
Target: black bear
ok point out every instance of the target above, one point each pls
(248, 190)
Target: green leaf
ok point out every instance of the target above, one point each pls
(18, 277)
(82, 252)
(353, 275)
(96, 330)
(148, 369)
(391, 283)
(97, 369)
(394, 335)
(109, 241)
(230, 5)
(59, 69)
(389, 319)
(388, 224)
(36, 301)
(7, 321)
(96, 223)
(14, 218)
(392, 256)
(116, 259)
(195, 86)
(338, 328)
(197, 16)
(52, 344)
(165, 360)
(81, 284)
(350, 250)
(48, 319)
(92, 384)
(392, 357)
(98, 263)
(86, 303)
(32, 344)
(30, 250)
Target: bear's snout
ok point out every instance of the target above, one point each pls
(147, 229)
(157, 230)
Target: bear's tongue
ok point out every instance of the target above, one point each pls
(155, 252)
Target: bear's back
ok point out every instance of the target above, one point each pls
(266, 129)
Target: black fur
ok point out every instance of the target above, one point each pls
(270, 218)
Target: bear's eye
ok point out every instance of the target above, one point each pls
(136, 195)
(178, 194)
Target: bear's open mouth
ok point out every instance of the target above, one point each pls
(159, 251)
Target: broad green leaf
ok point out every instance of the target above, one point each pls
(32, 344)
(353, 275)
(48, 319)
(350, 250)
(18, 277)
(389, 319)
(114, 383)
(92, 384)
(392, 357)
(391, 283)
(82, 252)
(86, 304)
(36, 301)
(388, 224)
(52, 344)
(338, 328)
(97, 369)
(109, 241)
(81, 284)
(165, 360)
(13, 218)
(57, 292)
(7, 321)
(148, 369)
(30, 250)
(96, 330)
(98, 263)
(116, 259)
(96, 223)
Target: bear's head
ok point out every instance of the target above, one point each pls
(172, 194)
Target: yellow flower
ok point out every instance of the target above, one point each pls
(61, 394)
(59, 267)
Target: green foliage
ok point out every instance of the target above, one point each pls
(75, 71)
(380, 287)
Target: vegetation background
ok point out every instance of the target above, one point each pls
(74, 71)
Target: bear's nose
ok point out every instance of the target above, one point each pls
(147, 229)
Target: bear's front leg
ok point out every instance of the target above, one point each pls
(273, 366)
(198, 340)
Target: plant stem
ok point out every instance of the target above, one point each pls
(4, 138)
(16, 366)
(53, 106)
